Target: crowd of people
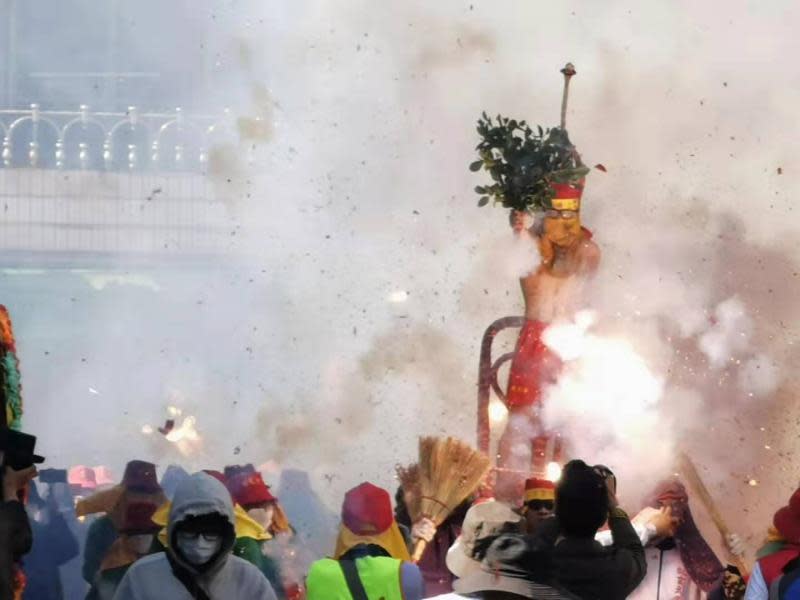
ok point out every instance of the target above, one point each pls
(225, 535)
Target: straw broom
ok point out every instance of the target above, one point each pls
(408, 477)
(449, 472)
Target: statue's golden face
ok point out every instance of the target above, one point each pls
(562, 227)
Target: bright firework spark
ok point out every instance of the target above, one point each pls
(497, 412)
(185, 436)
(605, 401)
(186, 431)
(553, 471)
(398, 296)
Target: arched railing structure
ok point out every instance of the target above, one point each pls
(130, 141)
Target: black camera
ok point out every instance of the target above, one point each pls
(605, 473)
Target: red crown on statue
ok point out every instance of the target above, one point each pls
(567, 196)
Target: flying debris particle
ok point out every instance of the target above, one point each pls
(601, 167)
(237, 451)
(147, 429)
(153, 194)
(167, 428)
(780, 171)
(752, 483)
(93, 391)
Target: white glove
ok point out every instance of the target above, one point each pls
(424, 529)
(735, 544)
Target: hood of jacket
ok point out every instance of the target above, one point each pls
(201, 494)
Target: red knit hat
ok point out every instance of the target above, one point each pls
(139, 518)
(367, 510)
(787, 520)
(539, 489)
(250, 489)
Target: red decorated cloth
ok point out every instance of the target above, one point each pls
(534, 366)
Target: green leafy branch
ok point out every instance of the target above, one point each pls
(523, 163)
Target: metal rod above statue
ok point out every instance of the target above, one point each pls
(569, 72)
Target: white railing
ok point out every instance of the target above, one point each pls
(95, 141)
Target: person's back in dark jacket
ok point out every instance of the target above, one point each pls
(54, 546)
(15, 530)
(581, 565)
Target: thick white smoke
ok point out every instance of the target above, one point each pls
(347, 318)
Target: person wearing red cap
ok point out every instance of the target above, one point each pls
(782, 554)
(568, 256)
(539, 502)
(252, 494)
(371, 560)
(249, 491)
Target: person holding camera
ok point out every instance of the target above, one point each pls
(18, 469)
(585, 499)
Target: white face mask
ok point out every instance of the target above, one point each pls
(262, 516)
(140, 543)
(198, 548)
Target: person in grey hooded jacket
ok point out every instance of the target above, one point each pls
(198, 562)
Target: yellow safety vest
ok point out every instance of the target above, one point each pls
(380, 576)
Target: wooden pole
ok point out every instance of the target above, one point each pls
(700, 491)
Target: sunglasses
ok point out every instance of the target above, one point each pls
(561, 214)
(196, 535)
(540, 504)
